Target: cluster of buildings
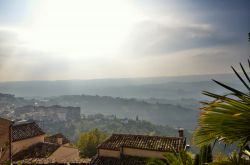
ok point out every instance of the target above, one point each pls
(53, 113)
(26, 142)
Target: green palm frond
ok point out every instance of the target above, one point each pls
(241, 79)
(245, 73)
(173, 158)
(155, 161)
(227, 117)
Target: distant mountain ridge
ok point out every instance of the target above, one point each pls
(157, 87)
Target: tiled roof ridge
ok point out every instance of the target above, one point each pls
(148, 149)
(26, 130)
(48, 143)
(107, 139)
(146, 142)
(28, 123)
(141, 135)
(23, 123)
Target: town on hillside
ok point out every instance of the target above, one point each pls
(124, 82)
(26, 143)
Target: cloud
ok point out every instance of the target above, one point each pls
(166, 38)
(6, 45)
(195, 61)
(151, 38)
(177, 26)
(18, 62)
(219, 59)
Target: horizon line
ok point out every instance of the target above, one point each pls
(118, 78)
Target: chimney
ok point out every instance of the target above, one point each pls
(181, 132)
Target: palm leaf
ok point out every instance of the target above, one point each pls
(235, 91)
(241, 79)
(227, 117)
(242, 68)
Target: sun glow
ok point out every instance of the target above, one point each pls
(80, 27)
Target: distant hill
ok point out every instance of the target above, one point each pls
(157, 113)
(159, 87)
(163, 114)
(162, 100)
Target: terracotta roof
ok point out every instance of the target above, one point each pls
(157, 143)
(53, 139)
(46, 161)
(128, 160)
(25, 130)
(39, 150)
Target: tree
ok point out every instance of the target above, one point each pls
(206, 154)
(227, 117)
(197, 159)
(173, 158)
(88, 142)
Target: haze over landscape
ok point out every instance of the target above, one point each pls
(102, 54)
(63, 40)
(119, 66)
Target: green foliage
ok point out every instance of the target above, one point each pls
(110, 124)
(19, 163)
(220, 157)
(7, 163)
(227, 117)
(233, 159)
(181, 158)
(206, 154)
(88, 142)
(197, 159)
(204, 157)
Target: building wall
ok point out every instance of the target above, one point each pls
(66, 144)
(65, 153)
(4, 140)
(142, 153)
(109, 153)
(23, 144)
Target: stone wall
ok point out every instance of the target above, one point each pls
(5, 132)
(142, 153)
(108, 153)
(23, 144)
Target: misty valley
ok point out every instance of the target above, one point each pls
(124, 82)
(152, 106)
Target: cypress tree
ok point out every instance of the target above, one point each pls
(197, 159)
(206, 154)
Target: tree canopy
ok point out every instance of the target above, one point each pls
(88, 142)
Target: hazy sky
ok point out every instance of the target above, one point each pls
(88, 39)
